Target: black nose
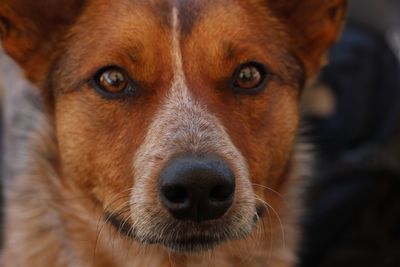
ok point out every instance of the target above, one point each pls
(197, 187)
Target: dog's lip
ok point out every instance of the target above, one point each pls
(180, 244)
(193, 244)
(183, 244)
(125, 228)
(260, 211)
(121, 225)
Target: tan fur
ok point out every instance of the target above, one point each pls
(88, 157)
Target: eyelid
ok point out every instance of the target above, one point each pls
(103, 69)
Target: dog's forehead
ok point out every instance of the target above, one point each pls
(217, 22)
(189, 12)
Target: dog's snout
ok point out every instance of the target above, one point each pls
(197, 187)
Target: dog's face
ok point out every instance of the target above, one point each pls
(173, 115)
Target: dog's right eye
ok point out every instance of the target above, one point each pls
(113, 82)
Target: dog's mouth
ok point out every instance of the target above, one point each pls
(193, 244)
(178, 243)
(184, 241)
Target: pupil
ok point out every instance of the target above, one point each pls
(114, 78)
(249, 75)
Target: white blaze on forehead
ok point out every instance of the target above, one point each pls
(179, 82)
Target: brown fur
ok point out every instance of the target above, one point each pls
(92, 157)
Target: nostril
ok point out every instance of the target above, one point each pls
(175, 194)
(197, 187)
(221, 193)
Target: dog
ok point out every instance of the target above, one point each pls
(165, 132)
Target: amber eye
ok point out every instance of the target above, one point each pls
(113, 82)
(250, 78)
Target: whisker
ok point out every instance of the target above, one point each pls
(271, 237)
(101, 221)
(273, 191)
(277, 216)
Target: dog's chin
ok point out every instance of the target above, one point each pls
(185, 241)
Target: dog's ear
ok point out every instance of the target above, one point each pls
(30, 30)
(314, 26)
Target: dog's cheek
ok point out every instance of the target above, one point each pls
(265, 132)
(97, 143)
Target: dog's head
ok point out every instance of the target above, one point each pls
(173, 115)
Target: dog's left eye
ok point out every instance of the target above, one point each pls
(250, 78)
(113, 82)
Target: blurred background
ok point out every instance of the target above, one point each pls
(352, 115)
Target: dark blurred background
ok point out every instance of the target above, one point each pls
(352, 115)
